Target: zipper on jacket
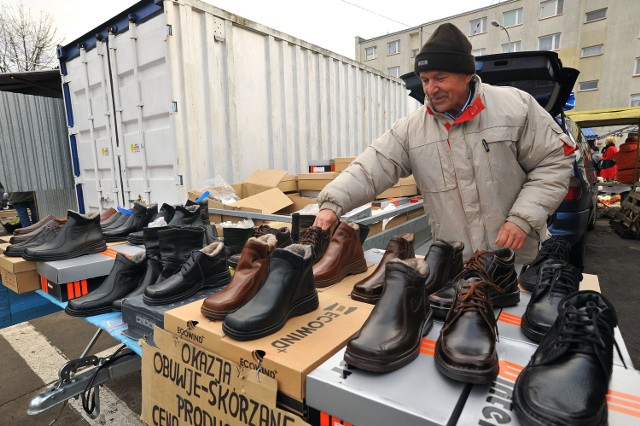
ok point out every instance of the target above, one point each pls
(486, 149)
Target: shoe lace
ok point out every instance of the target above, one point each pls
(311, 235)
(583, 331)
(472, 266)
(555, 248)
(559, 279)
(473, 296)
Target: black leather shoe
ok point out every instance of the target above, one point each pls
(187, 216)
(318, 239)
(466, 347)
(137, 220)
(110, 220)
(204, 268)
(445, 263)
(48, 232)
(283, 235)
(493, 266)
(555, 281)
(553, 250)
(289, 290)
(567, 378)
(80, 235)
(165, 212)
(176, 245)
(390, 338)
(203, 208)
(154, 265)
(123, 278)
(120, 220)
(235, 239)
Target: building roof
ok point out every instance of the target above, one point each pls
(37, 83)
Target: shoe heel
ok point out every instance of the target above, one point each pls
(308, 304)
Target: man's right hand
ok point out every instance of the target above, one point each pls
(326, 219)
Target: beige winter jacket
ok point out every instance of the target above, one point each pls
(504, 158)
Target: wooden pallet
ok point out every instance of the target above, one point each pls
(626, 222)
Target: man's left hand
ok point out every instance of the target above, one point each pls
(511, 236)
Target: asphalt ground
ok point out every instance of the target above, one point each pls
(31, 353)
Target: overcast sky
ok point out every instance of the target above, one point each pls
(330, 24)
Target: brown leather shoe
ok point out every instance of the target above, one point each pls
(250, 275)
(36, 226)
(466, 347)
(369, 289)
(107, 214)
(344, 256)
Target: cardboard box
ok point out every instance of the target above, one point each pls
(70, 290)
(492, 404)
(315, 181)
(184, 384)
(403, 188)
(416, 394)
(298, 203)
(18, 274)
(291, 353)
(84, 267)
(3, 247)
(320, 166)
(341, 163)
(264, 179)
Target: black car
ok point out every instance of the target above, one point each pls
(541, 74)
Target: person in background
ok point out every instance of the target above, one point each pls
(608, 152)
(491, 163)
(21, 202)
(627, 161)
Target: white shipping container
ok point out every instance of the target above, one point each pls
(169, 94)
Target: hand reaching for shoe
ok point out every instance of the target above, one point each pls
(326, 219)
(511, 236)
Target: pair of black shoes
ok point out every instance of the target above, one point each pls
(173, 267)
(126, 224)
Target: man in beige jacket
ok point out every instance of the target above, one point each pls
(491, 163)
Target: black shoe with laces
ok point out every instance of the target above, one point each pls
(555, 281)
(315, 237)
(567, 378)
(552, 250)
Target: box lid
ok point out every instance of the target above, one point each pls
(269, 201)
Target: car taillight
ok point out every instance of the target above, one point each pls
(575, 189)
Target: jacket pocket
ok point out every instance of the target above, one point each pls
(432, 167)
(495, 150)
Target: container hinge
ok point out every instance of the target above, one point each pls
(169, 29)
(218, 30)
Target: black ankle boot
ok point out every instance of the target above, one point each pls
(203, 268)
(123, 278)
(81, 234)
(165, 212)
(137, 220)
(176, 244)
(235, 239)
(154, 265)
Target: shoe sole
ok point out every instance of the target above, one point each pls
(466, 374)
(214, 281)
(363, 298)
(88, 312)
(498, 301)
(92, 248)
(532, 334)
(527, 417)
(385, 366)
(352, 269)
(214, 315)
(306, 305)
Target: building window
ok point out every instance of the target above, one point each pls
(478, 26)
(512, 17)
(596, 15)
(637, 67)
(592, 50)
(550, 42)
(515, 46)
(479, 52)
(635, 99)
(415, 52)
(550, 8)
(394, 71)
(370, 53)
(588, 85)
(394, 47)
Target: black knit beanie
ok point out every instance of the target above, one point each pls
(448, 49)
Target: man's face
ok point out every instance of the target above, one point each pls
(446, 90)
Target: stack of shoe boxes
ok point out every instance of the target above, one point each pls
(18, 275)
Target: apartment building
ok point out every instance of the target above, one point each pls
(601, 38)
